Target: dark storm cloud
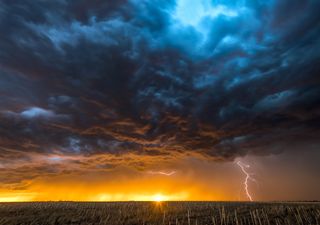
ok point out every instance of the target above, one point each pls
(156, 77)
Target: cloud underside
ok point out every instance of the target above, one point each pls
(144, 78)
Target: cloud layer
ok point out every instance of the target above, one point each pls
(158, 78)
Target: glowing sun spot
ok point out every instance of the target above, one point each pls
(159, 198)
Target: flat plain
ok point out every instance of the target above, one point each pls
(169, 213)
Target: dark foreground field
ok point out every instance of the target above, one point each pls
(132, 213)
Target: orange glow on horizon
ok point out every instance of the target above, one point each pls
(121, 185)
(159, 198)
(156, 191)
(102, 197)
(16, 197)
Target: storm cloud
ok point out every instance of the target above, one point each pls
(159, 78)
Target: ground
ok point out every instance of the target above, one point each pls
(170, 213)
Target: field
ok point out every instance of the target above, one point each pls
(143, 213)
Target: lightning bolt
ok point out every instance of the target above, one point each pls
(249, 177)
(163, 173)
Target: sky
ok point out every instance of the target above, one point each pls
(152, 99)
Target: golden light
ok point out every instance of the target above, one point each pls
(16, 197)
(159, 198)
(75, 188)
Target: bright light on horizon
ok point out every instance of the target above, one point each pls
(16, 197)
(160, 198)
(153, 197)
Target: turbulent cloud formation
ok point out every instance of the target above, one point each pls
(218, 79)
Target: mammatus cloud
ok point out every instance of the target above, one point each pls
(146, 78)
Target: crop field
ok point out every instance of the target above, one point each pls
(169, 213)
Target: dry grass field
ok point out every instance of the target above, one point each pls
(169, 213)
